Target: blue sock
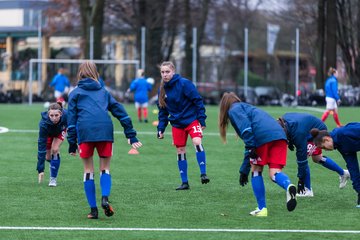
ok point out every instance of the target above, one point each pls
(89, 187)
(105, 183)
(258, 187)
(307, 181)
(54, 165)
(282, 180)
(201, 158)
(182, 164)
(330, 164)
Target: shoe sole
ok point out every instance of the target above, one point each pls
(108, 210)
(89, 216)
(291, 204)
(179, 189)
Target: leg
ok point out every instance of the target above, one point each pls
(138, 109)
(257, 183)
(89, 186)
(336, 118)
(201, 159)
(283, 181)
(55, 161)
(145, 112)
(325, 115)
(182, 165)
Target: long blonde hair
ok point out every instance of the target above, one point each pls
(88, 70)
(162, 102)
(226, 101)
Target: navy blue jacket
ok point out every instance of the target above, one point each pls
(255, 127)
(183, 104)
(298, 126)
(347, 141)
(48, 129)
(88, 118)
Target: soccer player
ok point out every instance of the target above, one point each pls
(332, 96)
(347, 141)
(61, 84)
(52, 131)
(265, 144)
(91, 127)
(297, 127)
(141, 87)
(180, 103)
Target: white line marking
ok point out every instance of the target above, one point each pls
(3, 129)
(118, 132)
(179, 229)
(311, 109)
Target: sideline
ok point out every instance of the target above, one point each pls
(181, 230)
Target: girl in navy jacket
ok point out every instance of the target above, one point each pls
(90, 127)
(180, 103)
(265, 144)
(297, 127)
(347, 141)
(52, 132)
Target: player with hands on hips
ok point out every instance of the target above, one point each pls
(346, 140)
(90, 127)
(52, 132)
(181, 105)
(297, 127)
(265, 144)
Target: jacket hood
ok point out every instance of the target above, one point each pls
(89, 84)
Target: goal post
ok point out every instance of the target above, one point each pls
(34, 61)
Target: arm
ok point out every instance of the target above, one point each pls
(195, 97)
(301, 159)
(163, 119)
(119, 112)
(334, 89)
(72, 120)
(41, 148)
(245, 169)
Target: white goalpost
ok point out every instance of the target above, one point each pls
(33, 61)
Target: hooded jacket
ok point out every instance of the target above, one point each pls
(48, 129)
(183, 104)
(88, 118)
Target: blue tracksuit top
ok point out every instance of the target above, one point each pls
(255, 127)
(347, 142)
(331, 88)
(88, 118)
(183, 104)
(141, 88)
(59, 82)
(48, 129)
(298, 126)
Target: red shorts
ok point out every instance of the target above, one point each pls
(180, 135)
(313, 150)
(104, 149)
(272, 154)
(49, 141)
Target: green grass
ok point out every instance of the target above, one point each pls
(143, 194)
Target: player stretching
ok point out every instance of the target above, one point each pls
(91, 127)
(181, 104)
(52, 131)
(297, 127)
(265, 144)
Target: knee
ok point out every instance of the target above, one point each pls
(317, 158)
(196, 141)
(55, 150)
(180, 150)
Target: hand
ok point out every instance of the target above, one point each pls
(134, 142)
(243, 180)
(252, 153)
(338, 102)
(72, 149)
(301, 186)
(160, 135)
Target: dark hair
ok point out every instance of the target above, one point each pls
(318, 135)
(331, 71)
(55, 106)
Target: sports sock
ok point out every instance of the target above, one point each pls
(139, 113)
(89, 187)
(201, 158)
(258, 187)
(145, 113)
(330, 164)
(54, 165)
(307, 181)
(282, 180)
(182, 164)
(336, 118)
(105, 182)
(325, 115)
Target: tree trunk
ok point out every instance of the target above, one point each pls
(331, 30)
(320, 46)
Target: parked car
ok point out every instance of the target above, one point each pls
(268, 95)
(251, 97)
